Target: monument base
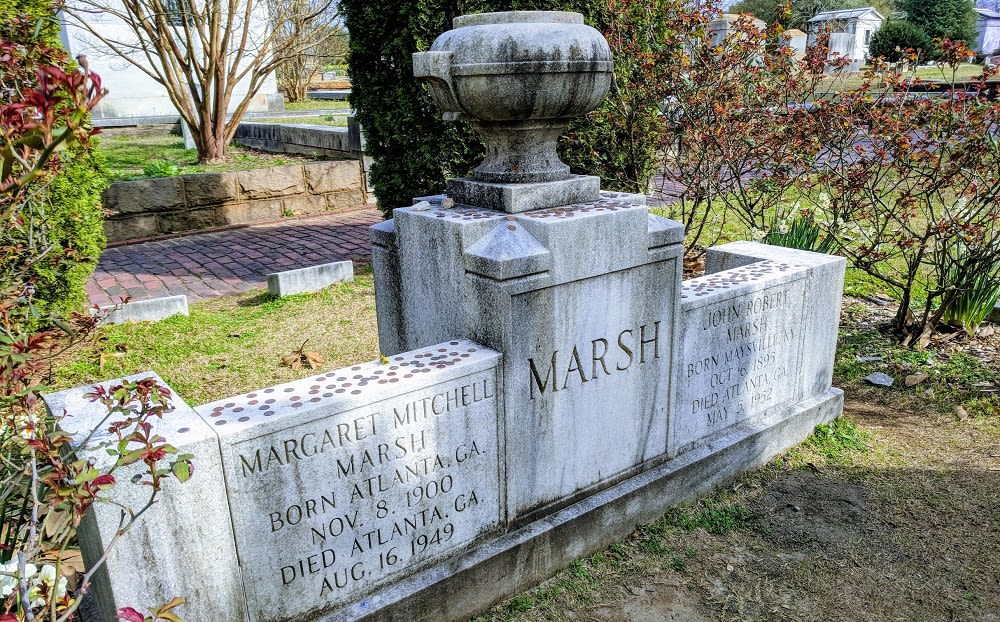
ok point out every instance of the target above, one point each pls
(517, 198)
(523, 558)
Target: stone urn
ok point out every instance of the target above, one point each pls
(519, 77)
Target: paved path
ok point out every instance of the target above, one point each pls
(227, 262)
(204, 265)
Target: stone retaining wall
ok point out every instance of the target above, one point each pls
(298, 138)
(151, 207)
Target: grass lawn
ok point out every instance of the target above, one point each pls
(234, 344)
(317, 104)
(891, 509)
(847, 81)
(129, 157)
(332, 120)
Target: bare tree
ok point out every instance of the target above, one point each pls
(201, 50)
(324, 41)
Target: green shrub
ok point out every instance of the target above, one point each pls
(160, 168)
(73, 226)
(975, 302)
(413, 150)
(893, 38)
(801, 232)
(940, 19)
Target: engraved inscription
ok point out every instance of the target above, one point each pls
(742, 357)
(560, 371)
(343, 503)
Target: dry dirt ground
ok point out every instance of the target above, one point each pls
(895, 517)
(906, 529)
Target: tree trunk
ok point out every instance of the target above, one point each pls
(211, 149)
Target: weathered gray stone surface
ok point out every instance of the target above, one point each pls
(146, 310)
(824, 286)
(184, 539)
(517, 198)
(549, 66)
(880, 379)
(310, 279)
(210, 188)
(323, 177)
(160, 194)
(319, 490)
(577, 298)
(341, 482)
(522, 558)
(305, 139)
(757, 338)
(389, 295)
(267, 183)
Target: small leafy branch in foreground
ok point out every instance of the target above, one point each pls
(913, 183)
(48, 481)
(57, 479)
(164, 612)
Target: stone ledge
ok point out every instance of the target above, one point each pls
(151, 310)
(517, 198)
(310, 279)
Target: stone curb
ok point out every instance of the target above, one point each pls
(223, 228)
(309, 279)
(151, 310)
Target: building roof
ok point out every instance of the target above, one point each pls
(793, 32)
(732, 18)
(988, 13)
(827, 16)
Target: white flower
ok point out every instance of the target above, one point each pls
(783, 228)
(758, 234)
(53, 588)
(823, 201)
(9, 576)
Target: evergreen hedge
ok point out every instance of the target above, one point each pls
(74, 226)
(893, 38)
(952, 19)
(60, 247)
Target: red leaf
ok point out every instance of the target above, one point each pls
(104, 480)
(125, 613)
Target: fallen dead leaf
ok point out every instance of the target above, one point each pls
(925, 338)
(302, 358)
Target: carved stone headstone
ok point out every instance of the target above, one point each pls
(550, 381)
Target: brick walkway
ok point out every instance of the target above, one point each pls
(204, 265)
(221, 263)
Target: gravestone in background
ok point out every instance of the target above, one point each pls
(550, 383)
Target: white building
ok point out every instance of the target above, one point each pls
(850, 31)
(725, 24)
(987, 31)
(134, 98)
(795, 39)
